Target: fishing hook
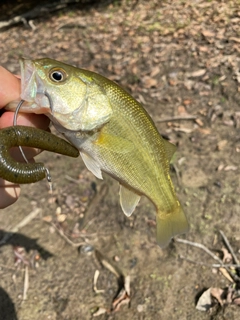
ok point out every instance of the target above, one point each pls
(48, 175)
(15, 123)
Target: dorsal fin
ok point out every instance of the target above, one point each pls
(170, 149)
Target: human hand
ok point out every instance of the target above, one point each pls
(9, 91)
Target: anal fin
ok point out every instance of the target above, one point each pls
(128, 200)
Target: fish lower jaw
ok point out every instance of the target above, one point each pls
(27, 107)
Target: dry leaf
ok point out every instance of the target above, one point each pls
(155, 71)
(205, 130)
(230, 293)
(58, 211)
(149, 82)
(235, 39)
(182, 110)
(199, 122)
(172, 82)
(182, 129)
(225, 273)
(222, 78)
(204, 302)
(207, 33)
(61, 217)
(123, 296)
(221, 144)
(197, 73)
(227, 257)
(220, 167)
(69, 201)
(100, 311)
(47, 219)
(203, 49)
(186, 102)
(188, 84)
(237, 301)
(218, 294)
(230, 168)
(229, 123)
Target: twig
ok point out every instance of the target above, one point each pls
(26, 283)
(72, 179)
(26, 220)
(95, 279)
(229, 247)
(66, 238)
(226, 274)
(200, 246)
(213, 265)
(108, 265)
(177, 118)
(39, 10)
(123, 294)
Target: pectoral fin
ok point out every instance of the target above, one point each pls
(170, 149)
(92, 165)
(128, 200)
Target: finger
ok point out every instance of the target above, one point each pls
(9, 193)
(29, 153)
(10, 87)
(31, 120)
(25, 119)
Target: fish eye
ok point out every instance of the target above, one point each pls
(58, 75)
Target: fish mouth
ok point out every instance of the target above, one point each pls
(32, 89)
(28, 86)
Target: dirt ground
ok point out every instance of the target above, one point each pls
(178, 60)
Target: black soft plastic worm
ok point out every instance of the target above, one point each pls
(14, 136)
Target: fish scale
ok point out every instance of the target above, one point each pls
(131, 110)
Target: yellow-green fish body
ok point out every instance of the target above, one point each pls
(113, 132)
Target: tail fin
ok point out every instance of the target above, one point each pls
(169, 225)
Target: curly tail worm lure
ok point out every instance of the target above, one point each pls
(25, 136)
(15, 124)
(14, 136)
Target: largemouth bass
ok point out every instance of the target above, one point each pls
(113, 132)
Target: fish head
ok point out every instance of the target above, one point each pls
(69, 96)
